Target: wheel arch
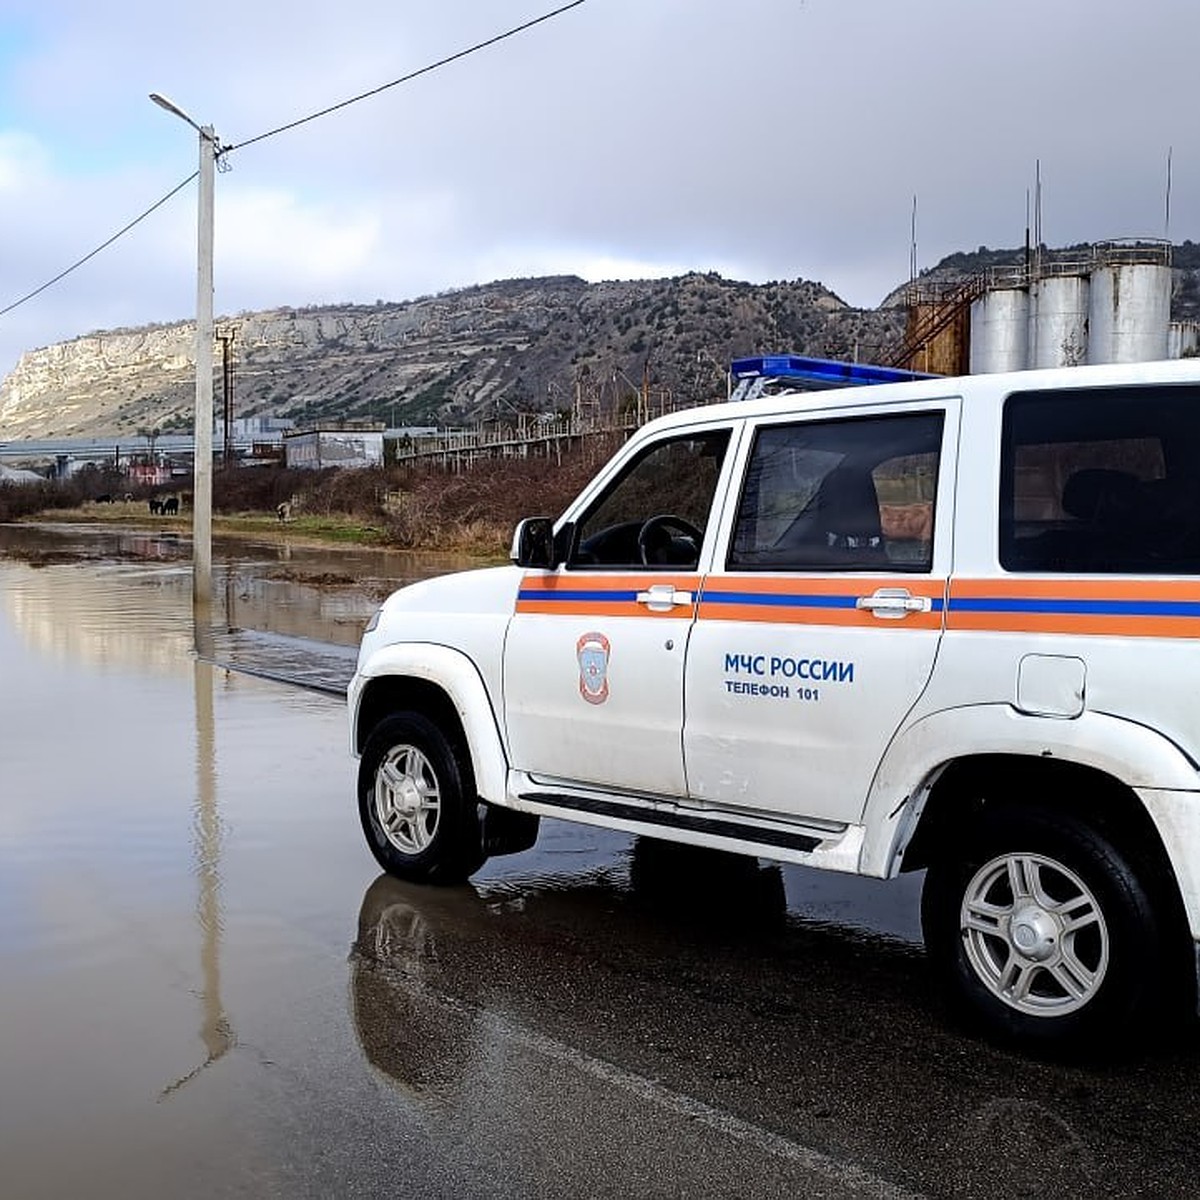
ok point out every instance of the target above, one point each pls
(1131, 756)
(967, 787)
(445, 686)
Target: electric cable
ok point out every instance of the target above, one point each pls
(103, 246)
(434, 66)
(222, 151)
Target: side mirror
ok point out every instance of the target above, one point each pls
(533, 543)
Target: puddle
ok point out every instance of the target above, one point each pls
(289, 613)
(208, 990)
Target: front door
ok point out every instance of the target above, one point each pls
(593, 663)
(817, 631)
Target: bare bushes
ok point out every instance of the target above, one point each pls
(348, 492)
(421, 508)
(477, 509)
(24, 499)
(18, 500)
(258, 489)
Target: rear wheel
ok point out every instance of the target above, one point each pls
(417, 802)
(1041, 930)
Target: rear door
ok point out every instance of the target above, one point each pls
(818, 627)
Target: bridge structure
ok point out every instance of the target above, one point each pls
(459, 449)
(99, 451)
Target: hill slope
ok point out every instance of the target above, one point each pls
(523, 344)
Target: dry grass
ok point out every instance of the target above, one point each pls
(472, 512)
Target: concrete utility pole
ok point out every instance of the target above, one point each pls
(202, 470)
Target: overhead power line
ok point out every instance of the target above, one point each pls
(434, 66)
(103, 246)
(324, 112)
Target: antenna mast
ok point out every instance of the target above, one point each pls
(1167, 220)
(912, 253)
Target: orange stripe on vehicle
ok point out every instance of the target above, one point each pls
(582, 595)
(819, 601)
(852, 618)
(1167, 608)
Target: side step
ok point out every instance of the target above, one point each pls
(673, 818)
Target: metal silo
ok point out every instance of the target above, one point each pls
(1059, 318)
(1183, 339)
(1000, 331)
(1129, 312)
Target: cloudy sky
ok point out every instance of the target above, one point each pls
(763, 139)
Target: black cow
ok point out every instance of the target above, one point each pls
(170, 506)
(156, 506)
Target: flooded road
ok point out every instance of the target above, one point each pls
(208, 990)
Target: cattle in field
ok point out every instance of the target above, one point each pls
(155, 506)
(170, 506)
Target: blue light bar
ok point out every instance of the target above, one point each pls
(818, 372)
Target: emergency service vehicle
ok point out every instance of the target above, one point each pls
(947, 625)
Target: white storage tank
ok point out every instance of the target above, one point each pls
(1129, 312)
(1000, 331)
(1059, 321)
(1183, 339)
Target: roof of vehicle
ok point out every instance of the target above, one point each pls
(982, 389)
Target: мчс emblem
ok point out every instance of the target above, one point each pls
(592, 652)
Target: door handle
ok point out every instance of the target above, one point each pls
(893, 603)
(662, 597)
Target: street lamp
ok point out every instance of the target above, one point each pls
(202, 469)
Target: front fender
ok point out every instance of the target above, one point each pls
(1133, 754)
(458, 677)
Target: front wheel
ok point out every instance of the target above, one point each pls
(417, 803)
(1041, 930)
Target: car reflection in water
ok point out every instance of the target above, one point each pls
(684, 975)
(420, 1027)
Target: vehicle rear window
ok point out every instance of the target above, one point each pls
(1102, 481)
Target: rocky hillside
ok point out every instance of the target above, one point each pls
(517, 345)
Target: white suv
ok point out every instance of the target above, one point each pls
(947, 625)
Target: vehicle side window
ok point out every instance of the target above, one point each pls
(855, 494)
(1102, 481)
(656, 511)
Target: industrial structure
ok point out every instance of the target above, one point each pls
(1107, 303)
(315, 449)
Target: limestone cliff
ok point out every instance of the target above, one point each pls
(526, 344)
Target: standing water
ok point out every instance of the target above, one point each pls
(208, 990)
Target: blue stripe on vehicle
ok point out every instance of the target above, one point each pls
(576, 596)
(794, 600)
(778, 599)
(1089, 608)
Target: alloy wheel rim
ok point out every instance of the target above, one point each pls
(407, 799)
(1035, 934)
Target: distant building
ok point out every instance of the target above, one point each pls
(317, 448)
(14, 475)
(259, 429)
(149, 474)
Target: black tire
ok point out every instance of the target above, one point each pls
(417, 802)
(1069, 952)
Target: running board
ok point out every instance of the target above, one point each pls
(674, 819)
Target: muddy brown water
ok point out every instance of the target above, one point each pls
(206, 988)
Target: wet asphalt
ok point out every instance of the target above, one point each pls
(209, 990)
